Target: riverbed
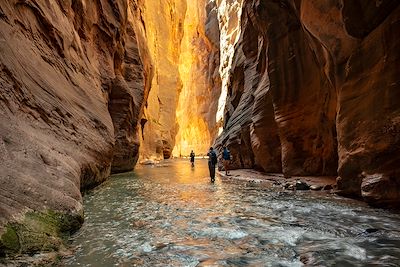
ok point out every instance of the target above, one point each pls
(170, 214)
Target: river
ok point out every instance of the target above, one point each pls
(171, 215)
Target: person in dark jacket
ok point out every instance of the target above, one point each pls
(192, 158)
(212, 162)
(226, 156)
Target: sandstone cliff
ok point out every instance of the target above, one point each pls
(164, 30)
(311, 88)
(183, 38)
(198, 70)
(315, 86)
(72, 80)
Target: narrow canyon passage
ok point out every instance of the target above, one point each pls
(171, 215)
(294, 88)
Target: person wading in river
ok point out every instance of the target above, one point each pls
(212, 162)
(192, 158)
(226, 156)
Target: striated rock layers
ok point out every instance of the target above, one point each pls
(73, 80)
(198, 70)
(314, 90)
(164, 22)
(183, 38)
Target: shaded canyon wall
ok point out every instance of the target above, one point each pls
(74, 76)
(314, 90)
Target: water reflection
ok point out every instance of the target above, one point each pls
(173, 216)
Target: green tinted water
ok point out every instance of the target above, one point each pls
(171, 215)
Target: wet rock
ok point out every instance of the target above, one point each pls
(287, 185)
(381, 190)
(276, 183)
(327, 187)
(148, 162)
(138, 224)
(290, 187)
(316, 187)
(253, 183)
(300, 185)
(371, 230)
(161, 245)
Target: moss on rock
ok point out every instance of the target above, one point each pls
(39, 231)
(10, 240)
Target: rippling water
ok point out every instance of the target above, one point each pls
(171, 215)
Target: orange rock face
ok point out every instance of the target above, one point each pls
(369, 106)
(72, 82)
(179, 116)
(314, 89)
(290, 125)
(198, 61)
(164, 22)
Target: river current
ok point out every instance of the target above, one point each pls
(171, 215)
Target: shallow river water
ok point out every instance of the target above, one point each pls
(171, 215)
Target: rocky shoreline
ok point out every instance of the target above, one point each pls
(314, 183)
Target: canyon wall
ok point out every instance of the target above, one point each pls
(228, 14)
(183, 38)
(73, 79)
(198, 70)
(314, 90)
(164, 21)
(305, 88)
(368, 121)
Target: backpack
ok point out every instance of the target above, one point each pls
(226, 154)
(214, 159)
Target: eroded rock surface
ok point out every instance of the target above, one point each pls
(164, 22)
(65, 66)
(369, 111)
(318, 83)
(291, 123)
(183, 38)
(198, 70)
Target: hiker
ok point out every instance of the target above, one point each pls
(192, 158)
(226, 156)
(212, 162)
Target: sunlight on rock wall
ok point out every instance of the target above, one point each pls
(191, 114)
(229, 13)
(183, 40)
(164, 29)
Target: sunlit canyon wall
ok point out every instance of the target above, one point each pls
(74, 76)
(164, 21)
(198, 64)
(314, 90)
(183, 37)
(229, 14)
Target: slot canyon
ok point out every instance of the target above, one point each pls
(296, 88)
